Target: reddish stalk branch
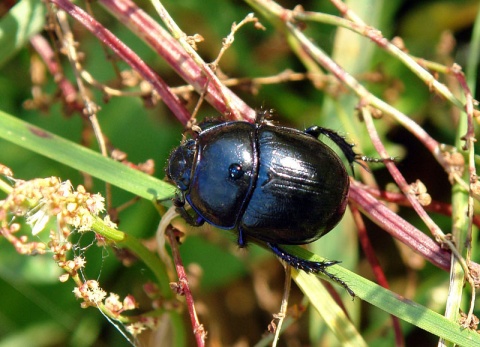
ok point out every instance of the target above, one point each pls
(375, 265)
(173, 53)
(182, 288)
(400, 228)
(42, 47)
(126, 54)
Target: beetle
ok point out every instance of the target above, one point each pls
(270, 183)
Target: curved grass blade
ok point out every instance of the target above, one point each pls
(78, 157)
(386, 300)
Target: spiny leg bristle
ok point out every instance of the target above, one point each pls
(309, 266)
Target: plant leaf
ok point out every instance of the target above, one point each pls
(24, 20)
(81, 158)
(384, 299)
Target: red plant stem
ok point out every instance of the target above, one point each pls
(184, 289)
(126, 54)
(367, 247)
(41, 45)
(400, 228)
(400, 199)
(174, 54)
(400, 180)
(403, 231)
(374, 264)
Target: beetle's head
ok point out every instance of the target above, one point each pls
(180, 163)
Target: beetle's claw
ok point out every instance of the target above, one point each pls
(321, 268)
(241, 238)
(195, 221)
(178, 203)
(178, 200)
(309, 266)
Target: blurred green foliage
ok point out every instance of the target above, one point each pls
(38, 310)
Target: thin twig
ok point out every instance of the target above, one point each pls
(400, 180)
(91, 108)
(42, 47)
(182, 38)
(400, 199)
(183, 288)
(126, 54)
(228, 41)
(356, 24)
(175, 55)
(400, 228)
(470, 140)
(367, 98)
(283, 308)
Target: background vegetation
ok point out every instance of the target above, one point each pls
(237, 291)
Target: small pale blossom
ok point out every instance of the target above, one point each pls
(90, 292)
(64, 278)
(71, 206)
(79, 262)
(70, 264)
(86, 222)
(65, 188)
(136, 328)
(96, 204)
(41, 199)
(150, 322)
(129, 303)
(77, 292)
(96, 295)
(113, 303)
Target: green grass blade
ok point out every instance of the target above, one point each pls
(78, 157)
(386, 300)
(474, 56)
(25, 19)
(333, 315)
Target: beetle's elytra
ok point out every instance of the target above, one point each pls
(270, 183)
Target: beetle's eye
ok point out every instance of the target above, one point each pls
(235, 171)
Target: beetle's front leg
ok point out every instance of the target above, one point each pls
(309, 266)
(179, 203)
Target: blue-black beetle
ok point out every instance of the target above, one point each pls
(270, 183)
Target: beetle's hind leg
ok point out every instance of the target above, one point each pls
(309, 266)
(345, 147)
